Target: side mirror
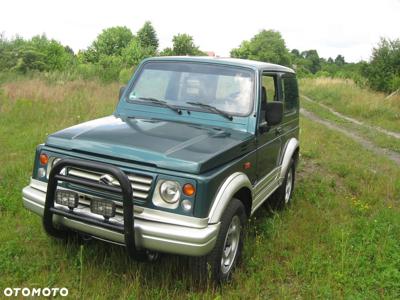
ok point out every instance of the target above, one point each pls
(121, 91)
(274, 113)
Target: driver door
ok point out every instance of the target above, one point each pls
(269, 141)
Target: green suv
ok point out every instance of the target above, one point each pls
(194, 147)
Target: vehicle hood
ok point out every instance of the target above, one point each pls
(170, 145)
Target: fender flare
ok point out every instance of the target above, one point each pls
(228, 189)
(291, 147)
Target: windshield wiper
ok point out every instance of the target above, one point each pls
(161, 102)
(211, 108)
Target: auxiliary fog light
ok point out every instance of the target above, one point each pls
(186, 205)
(67, 198)
(103, 207)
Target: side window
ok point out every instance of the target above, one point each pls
(268, 93)
(290, 93)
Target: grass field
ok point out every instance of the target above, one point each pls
(369, 132)
(339, 239)
(347, 98)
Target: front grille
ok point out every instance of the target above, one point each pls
(141, 184)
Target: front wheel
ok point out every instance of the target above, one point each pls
(220, 263)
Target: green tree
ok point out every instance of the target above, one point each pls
(383, 71)
(268, 46)
(69, 50)
(243, 51)
(182, 44)
(295, 53)
(147, 36)
(30, 60)
(38, 53)
(135, 52)
(110, 42)
(8, 52)
(167, 52)
(312, 60)
(56, 56)
(340, 61)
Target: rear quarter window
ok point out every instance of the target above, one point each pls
(290, 93)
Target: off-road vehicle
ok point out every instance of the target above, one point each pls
(194, 147)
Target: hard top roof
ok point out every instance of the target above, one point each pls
(227, 61)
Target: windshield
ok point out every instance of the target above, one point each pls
(229, 89)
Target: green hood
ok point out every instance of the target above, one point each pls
(165, 144)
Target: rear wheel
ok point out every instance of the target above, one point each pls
(220, 263)
(282, 197)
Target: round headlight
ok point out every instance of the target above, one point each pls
(170, 191)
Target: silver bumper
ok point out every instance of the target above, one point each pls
(149, 234)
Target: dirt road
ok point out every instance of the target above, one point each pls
(354, 121)
(394, 156)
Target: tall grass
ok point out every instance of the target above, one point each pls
(339, 239)
(83, 72)
(344, 96)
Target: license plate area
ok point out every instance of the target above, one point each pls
(105, 208)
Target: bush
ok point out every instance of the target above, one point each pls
(322, 74)
(125, 75)
(110, 67)
(134, 53)
(88, 71)
(383, 71)
(395, 83)
(38, 53)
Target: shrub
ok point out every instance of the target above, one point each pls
(125, 75)
(383, 71)
(110, 67)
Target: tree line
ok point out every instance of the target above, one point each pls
(381, 73)
(113, 55)
(116, 51)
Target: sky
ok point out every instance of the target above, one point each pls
(347, 27)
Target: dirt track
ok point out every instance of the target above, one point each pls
(354, 121)
(394, 156)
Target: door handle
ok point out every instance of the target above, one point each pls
(279, 130)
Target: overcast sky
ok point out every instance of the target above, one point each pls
(347, 27)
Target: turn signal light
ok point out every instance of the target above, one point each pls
(44, 159)
(188, 189)
(247, 165)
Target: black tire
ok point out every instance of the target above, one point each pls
(210, 266)
(280, 199)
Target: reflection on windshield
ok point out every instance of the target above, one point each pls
(229, 89)
(239, 102)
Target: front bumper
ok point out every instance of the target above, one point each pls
(162, 236)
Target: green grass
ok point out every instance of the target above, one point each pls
(339, 239)
(349, 99)
(375, 136)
